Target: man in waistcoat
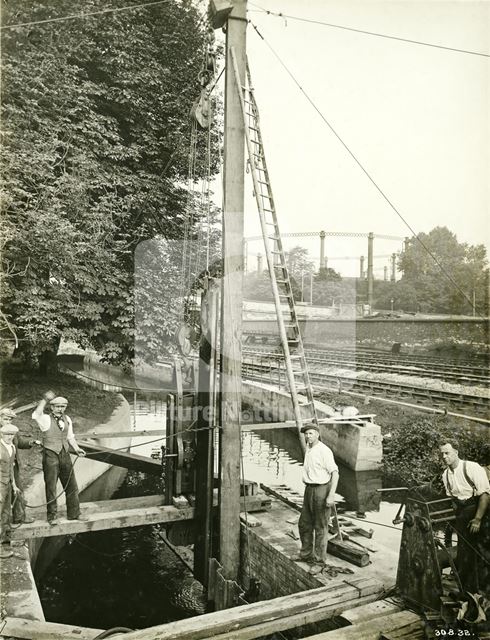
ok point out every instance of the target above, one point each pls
(8, 488)
(468, 486)
(320, 476)
(57, 437)
(19, 442)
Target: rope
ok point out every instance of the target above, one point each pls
(367, 174)
(369, 33)
(460, 535)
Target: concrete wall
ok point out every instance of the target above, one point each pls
(22, 599)
(357, 446)
(416, 334)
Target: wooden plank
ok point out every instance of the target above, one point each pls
(131, 516)
(140, 433)
(285, 623)
(121, 458)
(266, 426)
(266, 616)
(369, 611)
(410, 631)
(119, 504)
(371, 629)
(38, 630)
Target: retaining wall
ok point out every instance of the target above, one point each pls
(415, 334)
(357, 446)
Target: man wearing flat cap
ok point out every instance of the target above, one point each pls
(320, 476)
(19, 442)
(57, 437)
(8, 488)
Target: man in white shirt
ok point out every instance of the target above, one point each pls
(467, 484)
(320, 476)
(57, 437)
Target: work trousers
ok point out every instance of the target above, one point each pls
(59, 465)
(313, 522)
(5, 511)
(473, 556)
(18, 508)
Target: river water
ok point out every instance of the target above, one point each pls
(129, 577)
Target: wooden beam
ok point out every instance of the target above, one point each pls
(39, 630)
(266, 426)
(135, 513)
(260, 618)
(140, 433)
(122, 458)
(371, 629)
(205, 434)
(232, 294)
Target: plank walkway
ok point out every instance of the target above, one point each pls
(118, 514)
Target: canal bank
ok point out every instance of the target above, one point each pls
(266, 547)
(356, 443)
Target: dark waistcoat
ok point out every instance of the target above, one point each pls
(54, 438)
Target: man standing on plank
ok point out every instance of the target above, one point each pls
(57, 437)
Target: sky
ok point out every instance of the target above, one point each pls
(416, 117)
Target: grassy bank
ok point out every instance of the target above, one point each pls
(87, 407)
(412, 437)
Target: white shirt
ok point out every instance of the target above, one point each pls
(456, 484)
(319, 464)
(44, 423)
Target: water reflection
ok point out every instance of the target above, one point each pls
(128, 577)
(273, 457)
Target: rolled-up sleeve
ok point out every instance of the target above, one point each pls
(479, 477)
(43, 420)
(330, 464)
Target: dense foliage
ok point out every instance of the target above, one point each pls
(96, 143)
(425, 287)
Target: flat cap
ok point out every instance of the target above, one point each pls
(59, 400)
(9, 429)
(310, 425)
(7, 413)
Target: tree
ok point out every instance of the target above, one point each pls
(450, 289)
(96, 146)
(328, 275)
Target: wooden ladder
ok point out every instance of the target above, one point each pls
(287, 319)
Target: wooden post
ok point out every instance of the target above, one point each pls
(204, 438)
(232, 294)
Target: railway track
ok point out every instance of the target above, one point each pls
(416, 394)
(465, 374)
